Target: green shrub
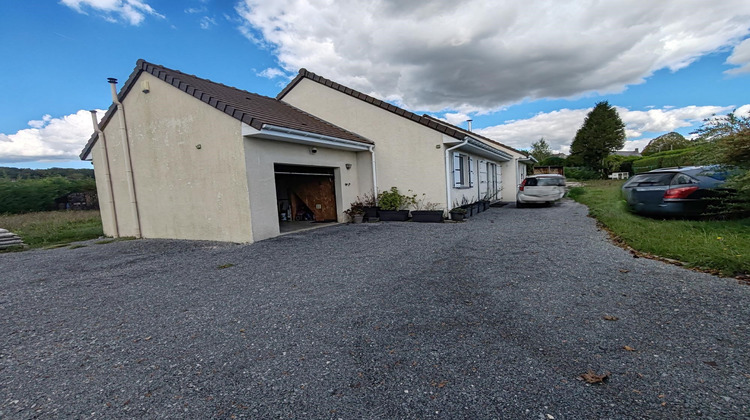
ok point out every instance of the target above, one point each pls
(394, 200)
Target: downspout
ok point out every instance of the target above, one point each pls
(107, 175)
(448, 173)
(128, 159)
(374, 175)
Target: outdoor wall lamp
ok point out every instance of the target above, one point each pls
(348, 166)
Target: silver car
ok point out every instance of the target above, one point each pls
(546, 188)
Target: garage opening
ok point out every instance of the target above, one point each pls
(305, 195)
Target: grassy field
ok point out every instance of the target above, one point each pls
(721, 246)
(51, 228)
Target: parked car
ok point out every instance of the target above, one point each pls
(684, 191)
(546, 188)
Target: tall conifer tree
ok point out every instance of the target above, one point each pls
(602, 133)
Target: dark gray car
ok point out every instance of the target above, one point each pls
(684, 191)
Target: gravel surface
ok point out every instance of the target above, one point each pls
(496, 317)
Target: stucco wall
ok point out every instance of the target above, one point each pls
(183, 192)
(262, 154)
(102, 190)
(408, 155)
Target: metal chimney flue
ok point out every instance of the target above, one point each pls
(113, 85)
(468, 125)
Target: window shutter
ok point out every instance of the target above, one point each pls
(456, 170)
(499, 175)
(471, 172)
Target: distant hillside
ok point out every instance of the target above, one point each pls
(67, 173)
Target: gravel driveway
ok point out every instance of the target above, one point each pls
(493, 318)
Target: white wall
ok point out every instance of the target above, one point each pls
(408, 155)
(183, 192)
(262, 154)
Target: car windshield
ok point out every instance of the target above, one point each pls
(545, 182)
(650, 179)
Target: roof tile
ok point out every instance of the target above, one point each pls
(250, 108)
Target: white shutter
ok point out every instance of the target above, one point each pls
(483, 184)
(471, 171)
(499, 184)
(456, 170)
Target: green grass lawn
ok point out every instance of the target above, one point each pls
(717, 245)
(54, 228)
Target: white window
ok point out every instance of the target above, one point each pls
(463, 170)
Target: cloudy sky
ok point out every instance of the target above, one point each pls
(520, 70)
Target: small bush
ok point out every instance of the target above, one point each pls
(394, 200)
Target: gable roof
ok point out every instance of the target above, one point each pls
(426, 120)
(420, 119)
(250, 108)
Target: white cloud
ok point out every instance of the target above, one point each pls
(131, 11)
(457, 118)
(559, 127)
(272, 73)
(476, 55)
(194, 10)
(741, 58)
(207, 22)
(49, 139)
(744, 110)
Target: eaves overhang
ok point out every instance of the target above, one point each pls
(290, 135)
(480, 148)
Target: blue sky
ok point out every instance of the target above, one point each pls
(521, 72)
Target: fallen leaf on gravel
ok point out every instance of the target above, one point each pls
(611, 318)
(711, 363)
(622, 270)
(628, 348)
(594, 378)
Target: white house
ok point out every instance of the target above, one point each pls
(178, 156)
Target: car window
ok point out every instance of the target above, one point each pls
(682, 179)
(549, 182)
(530, 182)
(650, 179)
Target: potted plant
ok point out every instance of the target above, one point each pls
(458, 214)
(475, 207)
(464, 205)
(426, 212)
(394, 206)
(487, 199)
(370, 206)
(356, 211)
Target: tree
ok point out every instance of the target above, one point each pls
(669, 141)
(728, 137)
(715, 128)
(602, 133)
(540, 150)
